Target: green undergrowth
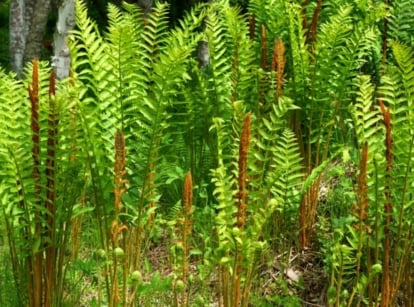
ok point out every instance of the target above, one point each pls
(277, 173)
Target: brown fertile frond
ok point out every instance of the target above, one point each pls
(313, 26)
(34, 88)
(116, 229)
(386, 291)
(52, 84)
(51, 192)
(242, 180)
(35, 268)
(120, 157)
(252, 26)
(51, 141)
(278, 64)
(361, 210)
(187, 201)
(188, 193)
(307, 212)
(184, 229)
(34, 119)
(388, 138)
(263, 59)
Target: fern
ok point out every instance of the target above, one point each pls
(242, 56)
(300, 56)
(273, 15)
(219, 79)
(224, 194)
(400, 101)
(365, 118)
(15, 181)
(287, 175)
(134, 84)
(281, 186)
(401, 21)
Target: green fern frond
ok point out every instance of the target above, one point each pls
(366, 114)
(332, 36)
(401, 21)
(358, 50)
(334, 32)
(88, 46)
(267, 134)
(14, 110)
(300, 56)
(400, 101)
(273, 15)
(277, 190)
(92, 63)
(403, 56)
(220, 77)
(223, 192)
(241, 49)
(286, 175)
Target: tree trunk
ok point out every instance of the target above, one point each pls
(17, 35)
(37, 30)
(28, 13)
(146, 5)
(65, 23)
(27, 26)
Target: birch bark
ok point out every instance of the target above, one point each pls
(65, 23)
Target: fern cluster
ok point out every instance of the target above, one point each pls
(256, 109)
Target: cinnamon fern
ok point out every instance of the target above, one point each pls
(215, 160)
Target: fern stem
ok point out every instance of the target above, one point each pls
(35, 273)
(117, 226)
(241, 204)
(386, 291)
(361, 212)
(187, 201)
(50, 233)
(242, 179)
